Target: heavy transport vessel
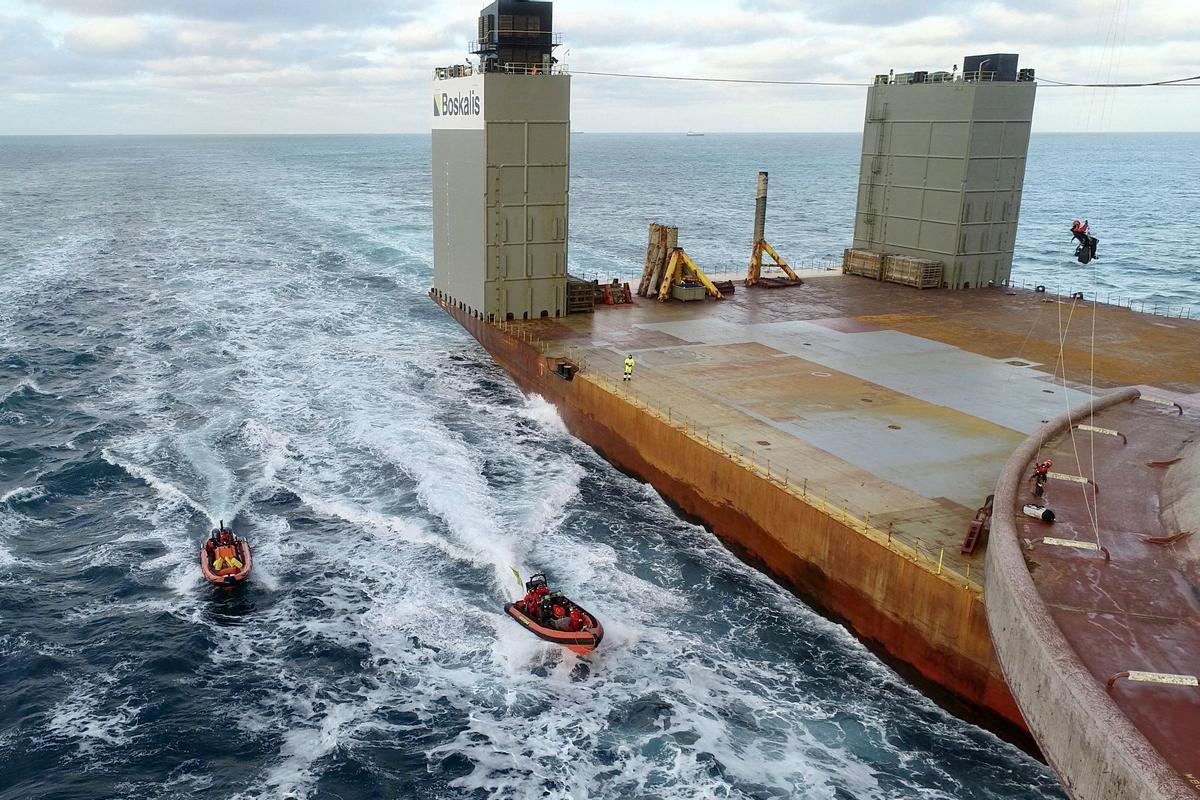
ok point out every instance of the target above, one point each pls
(858, 435)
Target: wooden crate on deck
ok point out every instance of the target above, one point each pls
(866, 263)
(580, 296)
(911, 271)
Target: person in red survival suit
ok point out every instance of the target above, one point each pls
(575, 621)
(535, 590)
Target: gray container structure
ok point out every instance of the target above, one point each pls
(501, 155)
(943, 166)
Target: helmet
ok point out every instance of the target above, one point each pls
(1048, 463)
(1075, 224)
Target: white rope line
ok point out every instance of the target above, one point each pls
(1092, 389)
(1063, 332)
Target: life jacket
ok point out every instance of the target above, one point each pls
(576, 622)
(226, 551)
(1080, 227)
(559, 611)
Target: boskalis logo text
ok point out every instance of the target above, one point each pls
(469, 104)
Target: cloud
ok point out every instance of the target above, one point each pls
(289, 13)
(365, 65)
(107, 36)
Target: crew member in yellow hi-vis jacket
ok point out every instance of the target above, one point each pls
(629, 367)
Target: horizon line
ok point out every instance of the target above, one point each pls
(576, 132)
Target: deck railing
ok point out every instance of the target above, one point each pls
(1116, 299)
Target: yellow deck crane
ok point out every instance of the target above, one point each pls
(678, 267)
(754, 276)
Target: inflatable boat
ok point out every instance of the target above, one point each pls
(573, 626)
(233, 554)
(582, 641)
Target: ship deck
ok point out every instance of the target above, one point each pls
(1118, 572)
(896, 405)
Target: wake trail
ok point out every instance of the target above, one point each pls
(165, 488)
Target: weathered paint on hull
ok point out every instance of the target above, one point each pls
(928, 627)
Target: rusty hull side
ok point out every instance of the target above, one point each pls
(929, 627)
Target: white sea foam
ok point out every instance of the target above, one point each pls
(98, 713)
(25, 494)
(545, 414)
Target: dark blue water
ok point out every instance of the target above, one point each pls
(203, 328)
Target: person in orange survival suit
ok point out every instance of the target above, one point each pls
(226, 559)
(225, 556)
(1080, 231)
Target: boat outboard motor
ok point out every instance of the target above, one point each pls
(1038, 512)
(1085, 253)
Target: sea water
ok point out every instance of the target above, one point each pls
(196, 329)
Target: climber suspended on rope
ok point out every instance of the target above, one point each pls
(1086, 250)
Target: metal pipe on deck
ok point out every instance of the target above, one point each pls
(760, 209)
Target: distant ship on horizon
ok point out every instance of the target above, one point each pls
(694, 133)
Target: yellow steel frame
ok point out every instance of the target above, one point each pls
(680, 264)
(756, 258)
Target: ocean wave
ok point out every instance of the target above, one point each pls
(23, 386)
(25, 494)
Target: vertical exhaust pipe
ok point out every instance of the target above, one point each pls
(760, 209)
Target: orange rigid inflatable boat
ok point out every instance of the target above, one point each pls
(219, 546)
(582, 641)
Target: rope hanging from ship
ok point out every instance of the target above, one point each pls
(1193, 81)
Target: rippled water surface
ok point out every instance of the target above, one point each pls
(237, 328)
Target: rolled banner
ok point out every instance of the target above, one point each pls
(1038, 512)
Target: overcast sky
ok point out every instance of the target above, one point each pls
(324, 66)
